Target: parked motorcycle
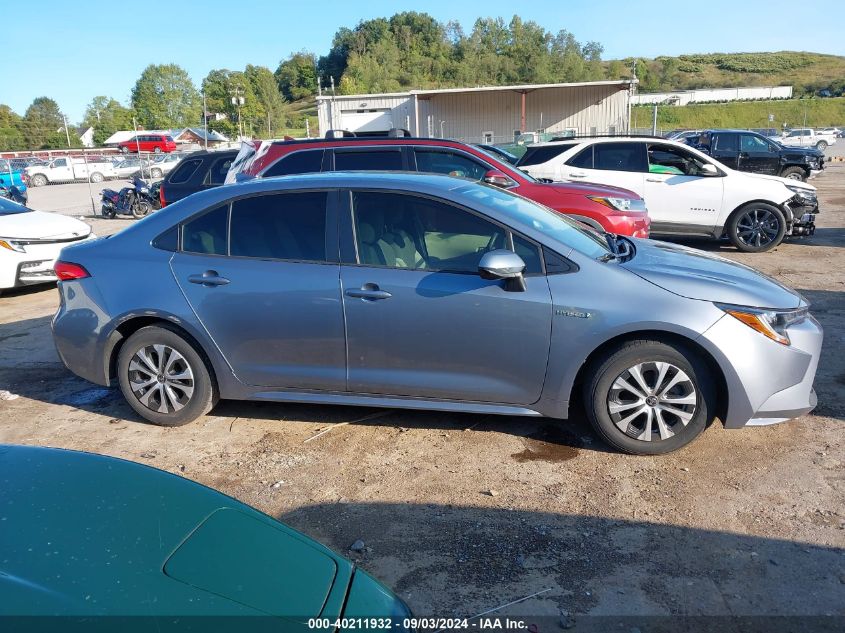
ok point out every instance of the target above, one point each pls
(13, 193)
(137, 200)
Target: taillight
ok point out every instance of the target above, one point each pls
(161, 196)
(69, 270)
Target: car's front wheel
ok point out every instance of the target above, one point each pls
(757, 227)
(163, 378)
(794, 173)
(647, 397)
(821, 146)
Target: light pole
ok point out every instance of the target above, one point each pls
(238, 101)
(205, 119)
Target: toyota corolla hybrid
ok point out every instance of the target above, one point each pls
(429, 292)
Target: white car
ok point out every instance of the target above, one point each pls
(686, 191)
(30, 242)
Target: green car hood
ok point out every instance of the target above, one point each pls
(84, 534)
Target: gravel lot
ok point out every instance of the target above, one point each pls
(463, 513)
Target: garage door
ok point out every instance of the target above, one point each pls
(366, 120)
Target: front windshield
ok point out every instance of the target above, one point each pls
(7, 207)
(505, 167)
(543, 219)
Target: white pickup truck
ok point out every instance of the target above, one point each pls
(69, 169)
(807, 137)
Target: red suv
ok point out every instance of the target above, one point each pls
(156, 143)
(603, 207)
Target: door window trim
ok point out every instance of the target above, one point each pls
(349, 247)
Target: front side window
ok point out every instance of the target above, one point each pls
(61, 162)
(280, 226)
(451, 163)
(750, 143)
(206, 234)
(402, 231)
(668, 159)
(390, 160)
(583, 159)
(726, 143)
(302, 162)
(619, 156)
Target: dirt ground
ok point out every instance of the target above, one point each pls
(464, 513)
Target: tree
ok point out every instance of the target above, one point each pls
(106, 116)
(165, 97)
(266, 91)
(44, 125)
(11, 134)
(297, 76)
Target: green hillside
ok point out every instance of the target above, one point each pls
(806, 72)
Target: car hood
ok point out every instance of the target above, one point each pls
(698, 275)
(40, 225)
(810, 151)
(784, 181)
(591, 189)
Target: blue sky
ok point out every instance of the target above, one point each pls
(79, 50)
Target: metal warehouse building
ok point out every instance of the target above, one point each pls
(485, 115)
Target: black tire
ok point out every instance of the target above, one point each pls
(598, 392)
(762, 238)
(141, 209)
(97, 177)
(124, 150)
(108, 213)
(821, 146)
(155, 173)
(157, 150)
(38, 180)
(204, 395)
(794, 173)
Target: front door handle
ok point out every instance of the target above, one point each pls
(577, 174)
(653, 180)
(208, 278)
(368, 292)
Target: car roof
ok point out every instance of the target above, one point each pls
(601, 139)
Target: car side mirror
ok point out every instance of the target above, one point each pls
(708, 169)
(503, 264)
(497, 179)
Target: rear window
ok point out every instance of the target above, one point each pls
(368, 161)
(542, 154)
(303, 162)
(280, 226)
(620, 157)
(185, 171)
(217, 174)
(206, 234)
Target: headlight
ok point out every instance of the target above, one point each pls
(620, 204)
(11, 245)
(770, 323)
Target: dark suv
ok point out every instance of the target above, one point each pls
(602, 207)
(749, 151)
(196, 172)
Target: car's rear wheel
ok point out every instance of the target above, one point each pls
(38, 180)
(157, 150)
(794, 173)
(163, 378)
(124, 150)
(647, 397)
(821, 146)
(96, 177)
(155, 173)
(757, 227)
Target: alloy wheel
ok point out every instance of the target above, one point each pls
(652, 399)
(757, 227)
(161, 378)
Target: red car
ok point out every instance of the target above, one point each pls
(156, 143)
(603, 207)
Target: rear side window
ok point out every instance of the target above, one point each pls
(620, 157)
(297, 163)
(542, 154)
(368, 161)
(185, 171)
(280, 226)
(217, 174)
(583, 159)
(725, 143)
(206, 234)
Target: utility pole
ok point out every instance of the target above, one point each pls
(238, 100)
(205, 119)
(654, 121)
(67, 134)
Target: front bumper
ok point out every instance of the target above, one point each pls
(34, 265)
(766, 382)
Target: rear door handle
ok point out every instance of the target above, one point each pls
(653, 180)
(368, 292)
(577, 174)
(208, 278)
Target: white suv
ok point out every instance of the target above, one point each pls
(686, 191)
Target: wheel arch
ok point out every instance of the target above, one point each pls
(662, 336)
(784, 208)
(114, 342)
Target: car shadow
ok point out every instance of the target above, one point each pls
(600, 572)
